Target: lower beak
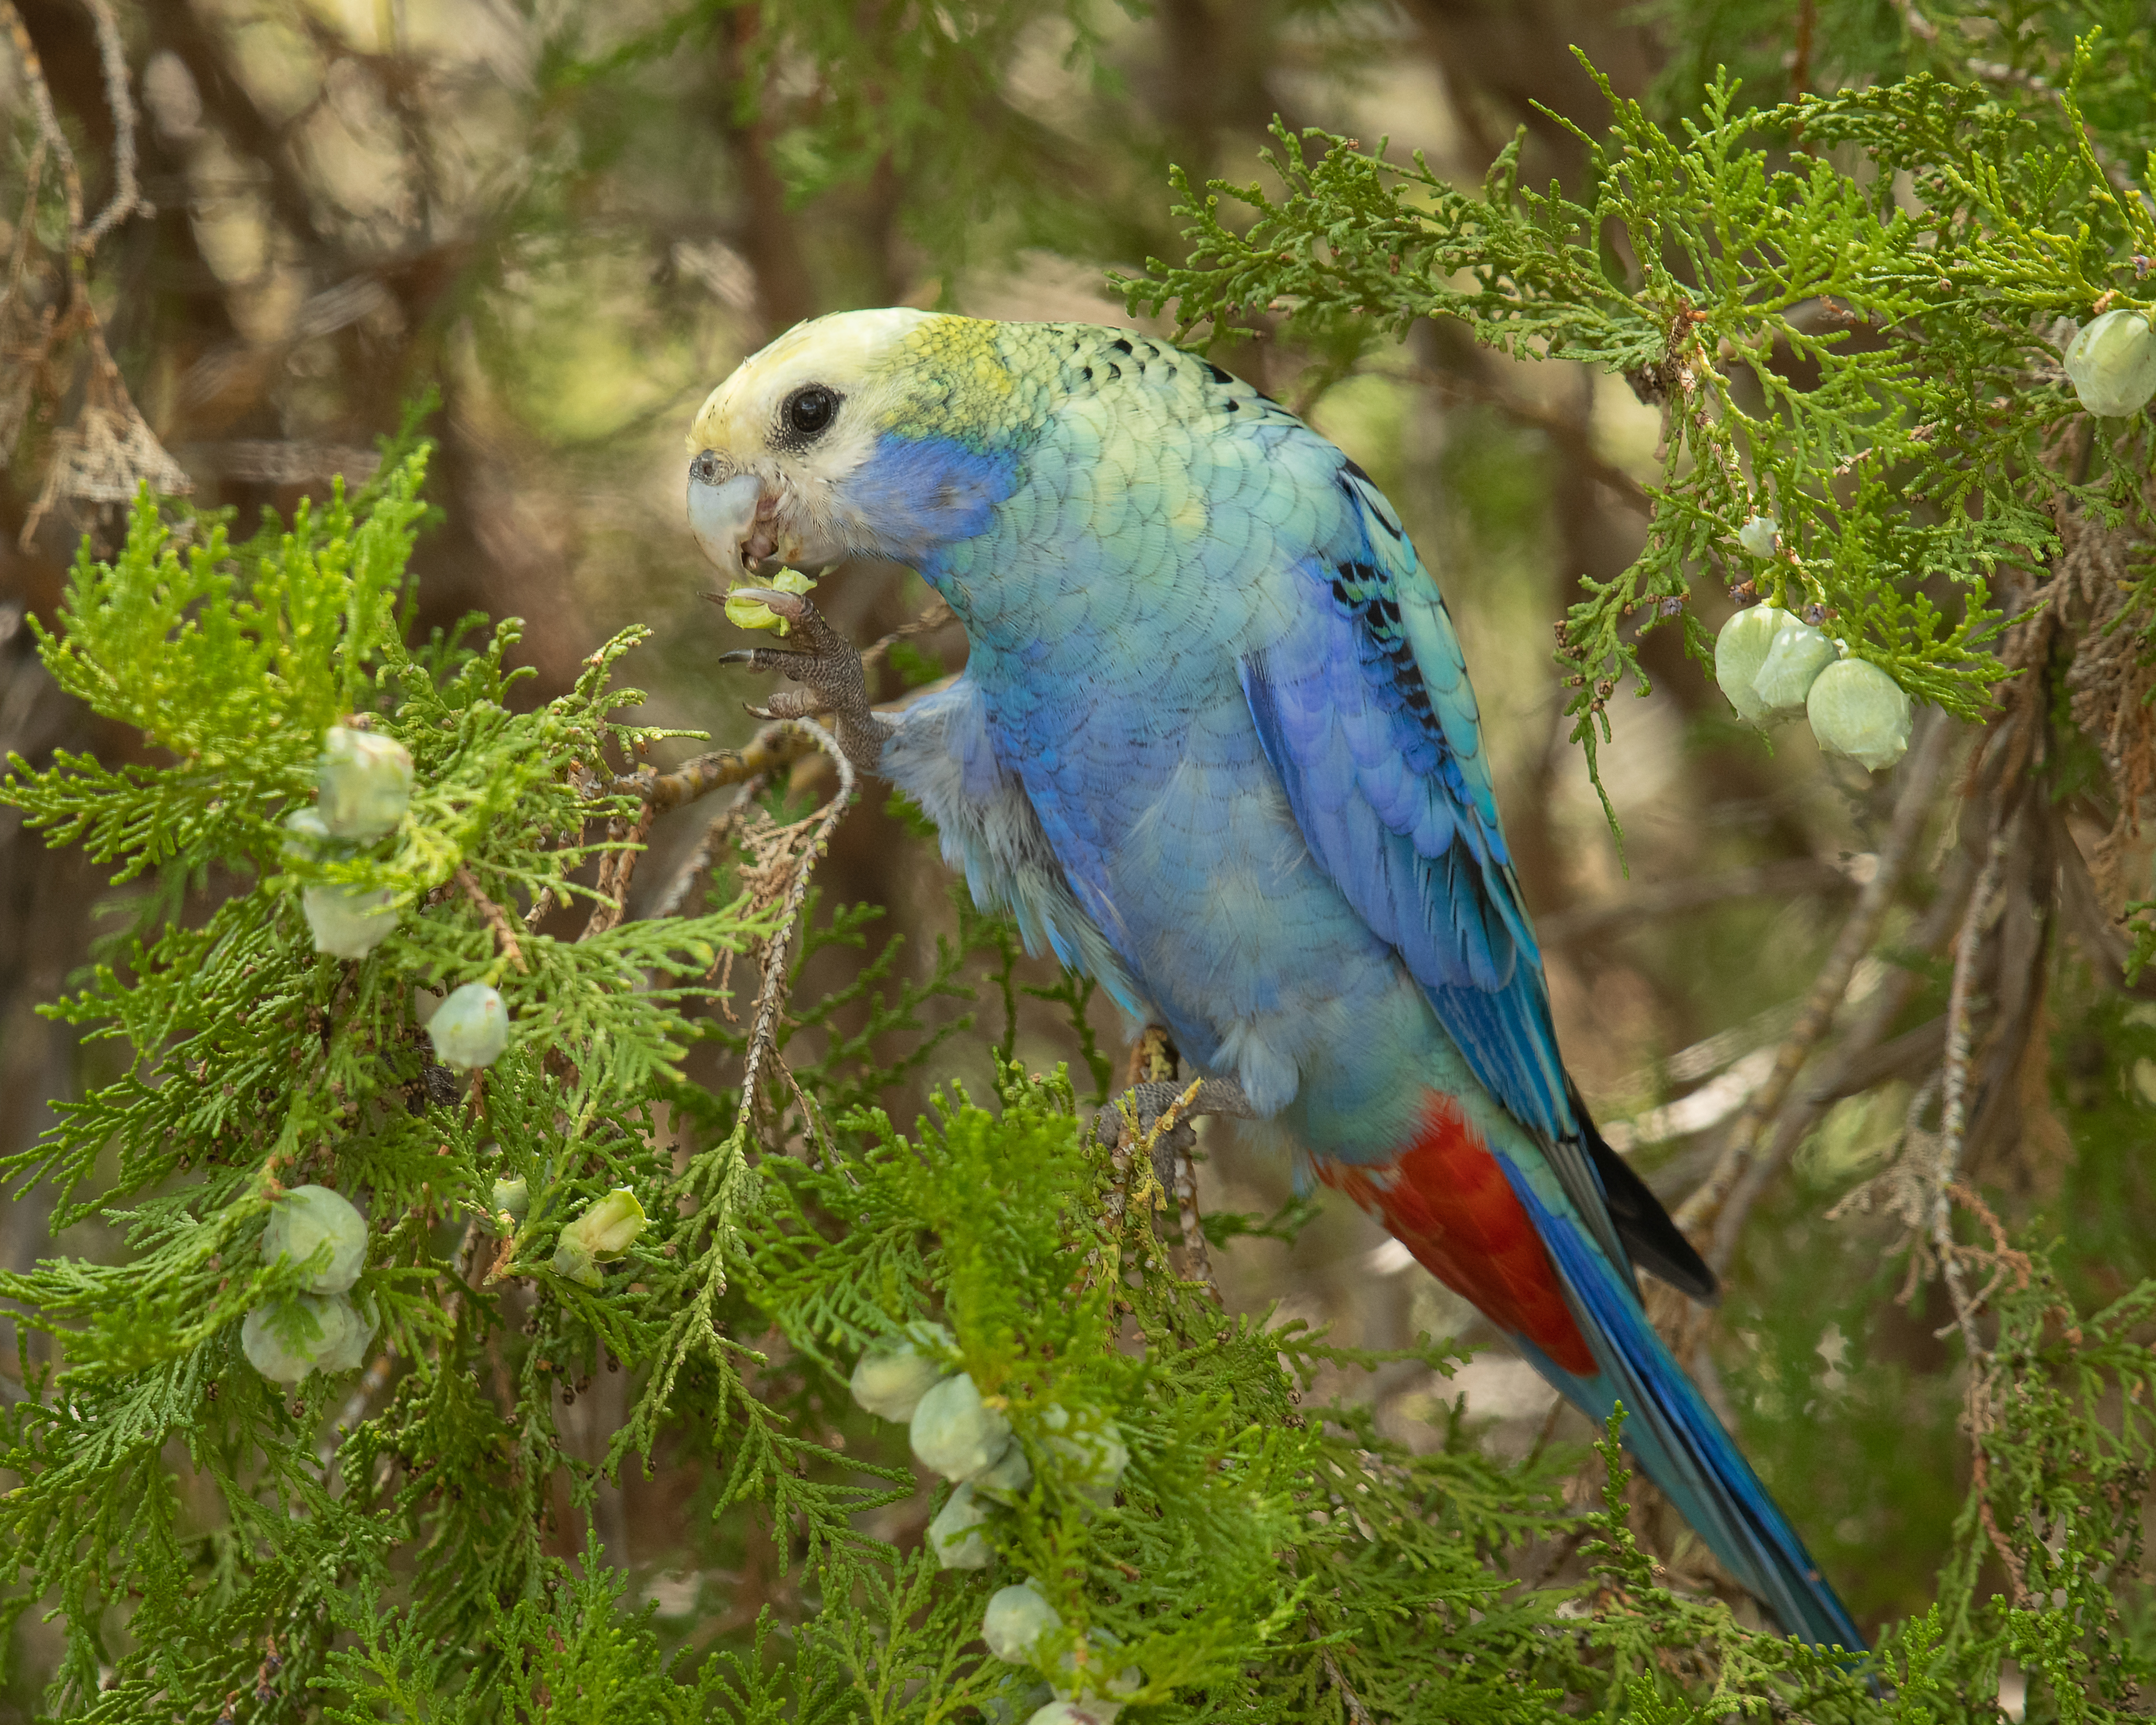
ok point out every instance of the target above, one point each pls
(723, 518)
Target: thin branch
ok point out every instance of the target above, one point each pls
(1785, 879)
(1954, 1081)
(770, 751)
(127, 198)
(1857, 1063)
(1832, 982)
(505, 933)
(617, 868)
(47, 117)
(764, 1028)
(699, 860)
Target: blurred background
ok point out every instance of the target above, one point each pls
(550, 227)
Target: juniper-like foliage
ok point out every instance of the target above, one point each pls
(1851, 310)
(416, 1542)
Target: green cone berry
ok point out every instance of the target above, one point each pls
(890, 1382)
(574, 1262)
(1010, 1473)
(286, 1339)
(606, 1230)
(1739, 650)
(1014, 1622)
(1799, 653)
(1860, 712)
(2112, 364)
(366, 784)
(1127, 1682)
(1093, 1455)
(1090, 1711)
(512, 1196)
(954, 1536)
(347, 921)
(303, 1221)
(954, 1434)
(609, 1227)
(308, 835)
(469, 1028)
(1759, 534)
(347, 1351)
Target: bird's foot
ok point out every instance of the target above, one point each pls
(1156, 1114)
(829, 670)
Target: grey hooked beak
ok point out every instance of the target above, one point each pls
(723, 515)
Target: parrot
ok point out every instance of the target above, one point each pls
(1215, 748)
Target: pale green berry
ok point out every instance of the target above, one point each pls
(1858, 712)
(284, 1340)
(307, 835)
(609, 1227)
(890, 1382)
(347, 1350)
(1759, 534)
(469, 1028)
(574, 1262)
(1093, 1453)
(1127, 1682)
(1009, 1474)
(512, 1197)
(1093, 1710)
(1740, 649)
(1799, 653)
(2112, 364)
(366, 783)
(306, 1220)
(954, 1535)
(953, 1433)
(754, 613)
(347, 921)
(1014, 1622)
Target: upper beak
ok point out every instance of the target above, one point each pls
(723, 517)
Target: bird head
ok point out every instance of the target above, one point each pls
(856, 434)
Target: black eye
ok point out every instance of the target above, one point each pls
(705, 467)
(808, 411)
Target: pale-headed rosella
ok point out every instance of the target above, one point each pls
(1215, 745)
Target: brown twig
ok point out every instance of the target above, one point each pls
(763, 1027)
(617, 868)
(496, 918)
(126, 195)
(47, 117)
(1777, 880)
(1856, 1063)
(1358, 1714)
(1828, 988)
(771, 751)
(700, 859)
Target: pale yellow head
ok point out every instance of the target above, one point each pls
(773, 445)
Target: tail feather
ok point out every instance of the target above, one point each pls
(1680, 1443)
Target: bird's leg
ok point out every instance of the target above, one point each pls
(829, 670)
(1135, 1118)
(1142, 1105)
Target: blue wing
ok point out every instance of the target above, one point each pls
(1365, 712)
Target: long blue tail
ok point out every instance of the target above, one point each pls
(1683, 1447)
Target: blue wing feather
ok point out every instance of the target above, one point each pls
(1366, 715)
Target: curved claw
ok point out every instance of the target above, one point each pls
(792, 606)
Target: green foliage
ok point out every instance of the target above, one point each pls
(423, 1542)
(1850, 308)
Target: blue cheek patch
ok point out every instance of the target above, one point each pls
(924, 493)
